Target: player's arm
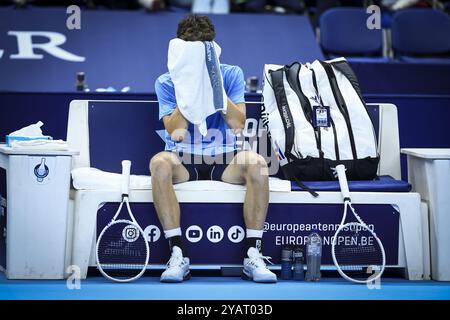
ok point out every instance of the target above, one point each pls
(235, 116)
(169, 113)
(176, 125)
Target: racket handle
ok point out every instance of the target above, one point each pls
(340, 170)
(126, 167)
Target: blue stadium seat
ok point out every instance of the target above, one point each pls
(344, 32)
(255, 5)
(259, 5)
(386, 19)
(421, 35)
(290, 4)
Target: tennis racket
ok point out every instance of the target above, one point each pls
(122, 248)
(357, 252)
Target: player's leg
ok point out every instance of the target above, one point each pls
(167, 169)
(250, 168)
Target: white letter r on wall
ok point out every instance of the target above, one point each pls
(26, 46)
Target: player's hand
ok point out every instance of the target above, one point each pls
(178, 135)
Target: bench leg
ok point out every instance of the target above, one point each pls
(426, 241)
(85, 216)
(411, 223)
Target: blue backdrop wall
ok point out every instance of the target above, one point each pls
(129, 48)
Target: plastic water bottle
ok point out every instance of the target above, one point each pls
(252, 84)
(313, 256)
(81, 82)
(286, 263)
(298, 273)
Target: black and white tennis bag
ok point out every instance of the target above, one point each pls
(316, 119)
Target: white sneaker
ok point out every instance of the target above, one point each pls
(177, 268)
(255, 268)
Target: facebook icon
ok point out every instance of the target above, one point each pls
(152, 233)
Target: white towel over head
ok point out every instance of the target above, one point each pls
(198, 87)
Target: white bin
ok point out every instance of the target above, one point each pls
(429, 174)
(38, 184)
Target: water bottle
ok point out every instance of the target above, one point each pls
(252, 84)
(313, 256)
(81, 82)
(286, 263)
(297, 256)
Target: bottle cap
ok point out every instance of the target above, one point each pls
(297, 253)
(286, 253)
(80, 76)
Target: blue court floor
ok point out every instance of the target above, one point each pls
(224, 288)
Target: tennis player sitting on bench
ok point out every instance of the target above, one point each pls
(179, 164)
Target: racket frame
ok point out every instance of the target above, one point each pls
(340, 171)
(126, 166)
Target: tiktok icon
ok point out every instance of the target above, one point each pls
(236, 234)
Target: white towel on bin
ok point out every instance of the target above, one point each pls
(47, 145)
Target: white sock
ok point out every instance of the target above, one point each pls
(172, 233)
(253, 233)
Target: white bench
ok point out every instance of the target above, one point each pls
(412, 246)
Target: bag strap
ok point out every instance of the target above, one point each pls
(348, 72)
(292, 177)
(306, 188)
(292, 74)
(341, 104)
(283, 109)
(345, 68)
(288, 123)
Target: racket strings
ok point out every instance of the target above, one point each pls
(358, 251)
(122, 251)
(120, 247)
